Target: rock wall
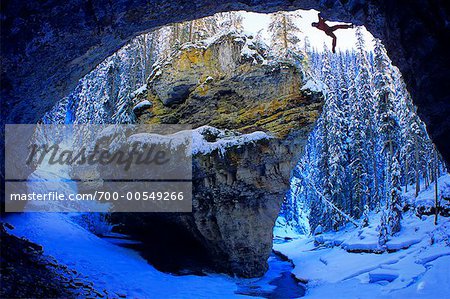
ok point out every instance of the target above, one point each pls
(242, 90)
(47, 46)
(237, 198)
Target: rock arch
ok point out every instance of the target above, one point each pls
(47, 46)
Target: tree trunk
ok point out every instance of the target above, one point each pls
(285, 39)
(150, 58)
(175, 37)
(389, 172)
(191, 31)
(406, 175)
(145, 56)
(416, 166)
(374, 165)
(436, 198)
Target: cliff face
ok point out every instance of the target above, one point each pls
(230, 84)
(237, 198)
(239, 175)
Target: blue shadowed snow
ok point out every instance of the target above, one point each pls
(71, 111)
(348, 263)
(120, 271)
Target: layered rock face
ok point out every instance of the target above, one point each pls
(241, 171)
(230, 84)
(48, 46)
(237, 198)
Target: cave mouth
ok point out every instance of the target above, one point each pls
(167, 246)
(106, 96)
(415, 35)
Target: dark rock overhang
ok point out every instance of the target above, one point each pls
(47, 46)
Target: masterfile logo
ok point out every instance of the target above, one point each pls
(122, 168)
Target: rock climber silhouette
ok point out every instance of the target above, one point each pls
(321, 25)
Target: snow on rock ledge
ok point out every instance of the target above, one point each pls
(141, 106)
(207, 139)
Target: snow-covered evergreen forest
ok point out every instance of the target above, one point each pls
(368, 147)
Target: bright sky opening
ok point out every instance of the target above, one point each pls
(346, 39)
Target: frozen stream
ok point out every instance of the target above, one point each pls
(278, 282)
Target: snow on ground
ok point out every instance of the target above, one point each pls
(339, 266)
(122, 271)
(426, 198)
(112, 267)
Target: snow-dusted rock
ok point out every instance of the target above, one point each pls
(222, 140)
(141, 106)
(318, 230)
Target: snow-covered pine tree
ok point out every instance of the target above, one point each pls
(406, 140)
(395, 208)
(365, 217)
(336, 138)
(284, 34)
(324, 135)
(175, 36)
(202, 28)
(365, 98)
(358, 158)
(319, 211)
(388, 132)
(358, 129)
(229, 21)
(345, 79)
(382, 230)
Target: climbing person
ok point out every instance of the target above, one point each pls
(321, 25)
